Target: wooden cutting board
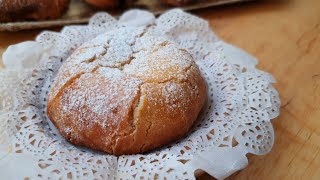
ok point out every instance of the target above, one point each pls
(285, 36)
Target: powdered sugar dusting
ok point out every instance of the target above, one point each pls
(68, 71)
(100, 84)
(100, 97)
(159, 61)
(111, 49)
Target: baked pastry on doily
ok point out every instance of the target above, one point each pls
(235, 120)
(15, 10)
(126, 92)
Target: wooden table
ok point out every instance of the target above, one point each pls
(285, 36)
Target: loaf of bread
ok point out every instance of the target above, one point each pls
(18, 10)
(126, 92)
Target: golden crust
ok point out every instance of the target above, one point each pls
(160, 120)
(151, 101)
(16, 10)
(91, 132)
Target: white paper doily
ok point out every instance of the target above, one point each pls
(235, 121)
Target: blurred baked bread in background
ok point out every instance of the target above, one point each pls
(19, 10)
(177, 2)
(104, 4)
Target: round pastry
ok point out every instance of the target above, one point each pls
(104, 4)
(16, 10)
(126, 92)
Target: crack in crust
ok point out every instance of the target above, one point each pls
(95, 58)
(66, 85)
(133, 121)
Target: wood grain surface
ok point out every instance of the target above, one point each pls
(285, 36)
